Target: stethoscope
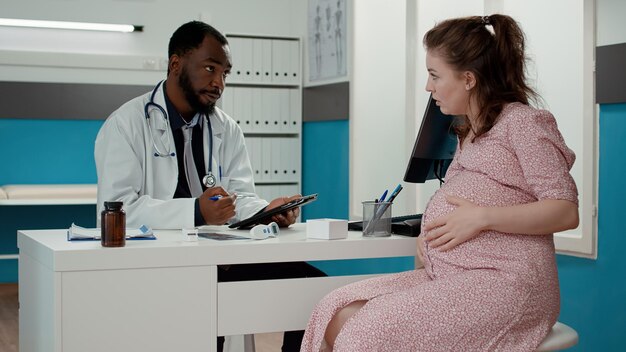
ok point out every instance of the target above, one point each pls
(209, 179)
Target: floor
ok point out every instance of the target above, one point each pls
(9, 325)
(8, 318)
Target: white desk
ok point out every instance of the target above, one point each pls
(163, 295)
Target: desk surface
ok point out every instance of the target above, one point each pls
(75, 295)
(52, 249)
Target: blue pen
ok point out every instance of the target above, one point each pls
(382, 198)
(239, 196)
(377, 214)
(395, 193)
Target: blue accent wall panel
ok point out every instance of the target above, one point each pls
(44, 152)
(325, 168)
(593, 292)
(47, 151)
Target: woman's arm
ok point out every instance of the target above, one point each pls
(468, 220)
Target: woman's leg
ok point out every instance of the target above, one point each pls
(362, 291)
(336, 323)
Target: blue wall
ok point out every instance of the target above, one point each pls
(593, 292)
(44, 152)
(48, 151)
(325, 168)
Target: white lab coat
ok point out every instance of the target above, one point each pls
(129, 172)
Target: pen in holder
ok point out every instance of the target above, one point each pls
(376, 219)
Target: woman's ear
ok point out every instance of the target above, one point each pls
(470, 80)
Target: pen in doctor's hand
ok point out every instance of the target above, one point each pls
(238, 196)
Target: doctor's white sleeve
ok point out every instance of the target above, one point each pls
(122, 161)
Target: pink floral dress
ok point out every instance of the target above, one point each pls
(496, 292)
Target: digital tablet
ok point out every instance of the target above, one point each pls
(267, 214)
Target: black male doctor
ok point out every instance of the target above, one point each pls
(140, 156)
(139, 150)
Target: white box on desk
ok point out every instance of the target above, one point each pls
(327, 229)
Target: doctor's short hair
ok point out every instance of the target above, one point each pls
(190, 35)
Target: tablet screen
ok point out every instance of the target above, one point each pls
(267, 214)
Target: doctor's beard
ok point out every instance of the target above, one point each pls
(191, 96)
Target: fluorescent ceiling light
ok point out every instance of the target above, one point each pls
(71, 25)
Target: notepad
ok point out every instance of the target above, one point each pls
(79, 233)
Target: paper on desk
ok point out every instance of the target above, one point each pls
(76, 233)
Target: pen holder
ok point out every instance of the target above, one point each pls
(376, 219)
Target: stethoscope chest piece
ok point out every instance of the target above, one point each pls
(209, 180)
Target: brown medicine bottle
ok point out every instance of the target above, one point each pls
(113, 225)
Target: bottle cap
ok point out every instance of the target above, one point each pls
(113, 205)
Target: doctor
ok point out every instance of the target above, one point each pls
(142, 157)
(139, 151)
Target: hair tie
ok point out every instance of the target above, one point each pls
(486, 20)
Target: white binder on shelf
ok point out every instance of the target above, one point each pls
(255, 152)
(279, 61)
(266, 159)
(285, 159)
(293, 47)
(284, 107)
(257, 62)
(267, 60)
(295, 110)
(294, 159)
(247, 59)
(288, 190)
(274, 114)
(277, 160)
(262, 192)
(237, 57)
(246, 102)
(237, 108)
(257, 109)
(226, 102)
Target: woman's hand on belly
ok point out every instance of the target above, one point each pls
(458, 226)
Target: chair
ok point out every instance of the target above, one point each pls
(560, 337)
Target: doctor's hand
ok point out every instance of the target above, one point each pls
(288, 217)
(217, 212)
(456, 227)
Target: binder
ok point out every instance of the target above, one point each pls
(237, 109)
(255, 158)
(266, 158)
(257, 109)
(293, 47)
(277, 160)
(246, 106)
(284, 108)
(237, 57)
(267, 60)
(295, 111)
(247, 59)
(257, 62)
(278, 61)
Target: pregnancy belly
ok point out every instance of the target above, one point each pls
(512, 254)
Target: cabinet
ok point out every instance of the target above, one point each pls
(263, 95)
